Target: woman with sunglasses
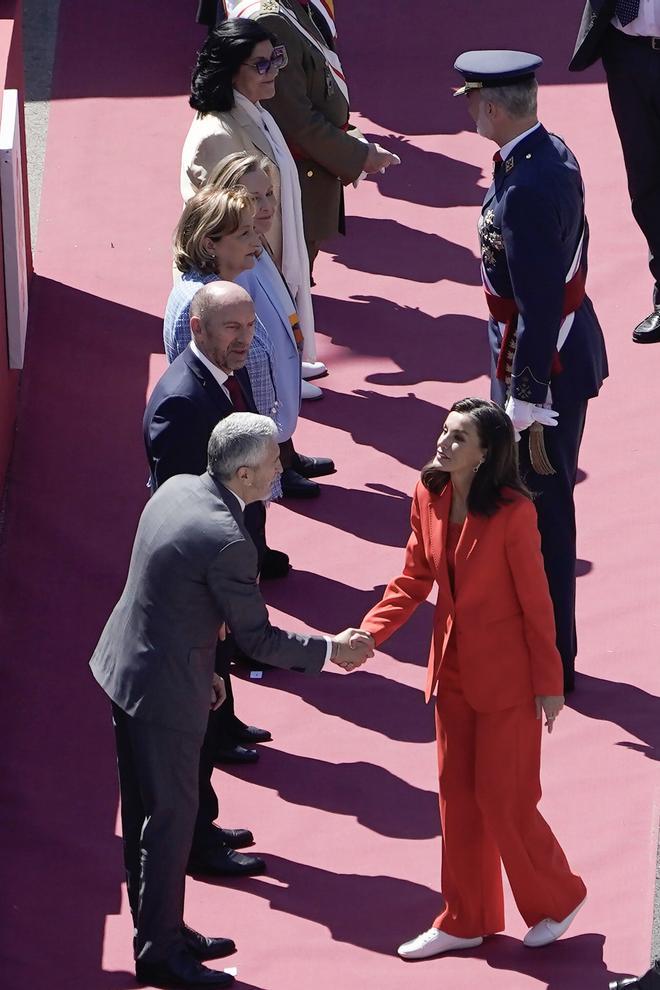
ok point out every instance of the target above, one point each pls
(236, 69)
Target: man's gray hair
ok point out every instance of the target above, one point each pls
(517, 99)
(240, 440)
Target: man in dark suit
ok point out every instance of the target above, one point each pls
(311, 108)
(193, 568)
(203, 385)
(625, 34)
(547, 347)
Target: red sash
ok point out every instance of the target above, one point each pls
(505, 311)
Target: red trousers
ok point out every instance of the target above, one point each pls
(489, 790)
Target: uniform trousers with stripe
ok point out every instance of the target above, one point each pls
(489, 772)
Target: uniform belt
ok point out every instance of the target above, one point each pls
(505, 311)
(301, 156)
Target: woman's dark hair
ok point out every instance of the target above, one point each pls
(224, 51)
(499, 469)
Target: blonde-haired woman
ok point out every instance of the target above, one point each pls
(276, 309)
(215, 239)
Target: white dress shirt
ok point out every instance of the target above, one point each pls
(647, 22)
(219, 375)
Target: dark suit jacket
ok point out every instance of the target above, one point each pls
(596, 18)
(180, 416)
(312, 114)
(193, 567)
(530, 228)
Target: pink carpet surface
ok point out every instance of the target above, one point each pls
(343, 802)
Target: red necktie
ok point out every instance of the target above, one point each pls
(236, 395)
(497, 158)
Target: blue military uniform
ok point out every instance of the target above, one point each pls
(547, 346)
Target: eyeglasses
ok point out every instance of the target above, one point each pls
(277, 60)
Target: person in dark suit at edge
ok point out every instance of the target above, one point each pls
(203, 385)
(625, 34)
(193, 568)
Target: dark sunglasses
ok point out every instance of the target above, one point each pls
(277, 60)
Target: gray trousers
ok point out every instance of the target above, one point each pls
(158, 782)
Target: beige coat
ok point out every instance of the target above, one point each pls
(213, 136)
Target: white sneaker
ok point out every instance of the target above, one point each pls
(313, 369)
(309, 391)
(433, 942)
(548, 931)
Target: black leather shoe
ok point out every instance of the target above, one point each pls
(631, 983)
(249, 733)
(203, 947)
(225, 862)
(313, 467)
(294, 485)
(182, 971)
(648, 331)
(235, 838)
(274, 565)
(235, 754)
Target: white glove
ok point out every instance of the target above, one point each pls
(522, 414)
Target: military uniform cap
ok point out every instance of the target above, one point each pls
(495, 68)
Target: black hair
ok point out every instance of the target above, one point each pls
(499, 469)
(227, 47)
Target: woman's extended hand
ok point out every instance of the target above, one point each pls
(550, 705)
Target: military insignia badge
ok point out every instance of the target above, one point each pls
(508, 165)
(490, 238)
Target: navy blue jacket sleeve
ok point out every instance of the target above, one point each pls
(531, 233)
(176, 439)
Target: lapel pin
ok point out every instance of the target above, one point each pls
(528, 155)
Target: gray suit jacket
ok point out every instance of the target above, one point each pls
(193, 567)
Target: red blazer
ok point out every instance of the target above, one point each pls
(501, 616)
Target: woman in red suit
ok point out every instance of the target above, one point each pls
(498, 673)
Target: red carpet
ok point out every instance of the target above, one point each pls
(343, 801)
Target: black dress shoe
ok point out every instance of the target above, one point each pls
(225, 862)
(294, 485)
(275, 564)
(249, 733)
(648, 331)
(313, 467)
(235, 754)
(235, 838)
(203, 947)
(182, 971)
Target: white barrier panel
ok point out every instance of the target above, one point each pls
(13, 228)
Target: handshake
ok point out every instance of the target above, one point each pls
(351, 648)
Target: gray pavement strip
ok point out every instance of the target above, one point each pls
(40, 20)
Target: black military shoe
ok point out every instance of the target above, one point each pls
(648, 331)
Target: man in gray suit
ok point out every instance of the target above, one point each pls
(193, 569)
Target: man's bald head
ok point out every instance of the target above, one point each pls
(222, 324)
(214, 296)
